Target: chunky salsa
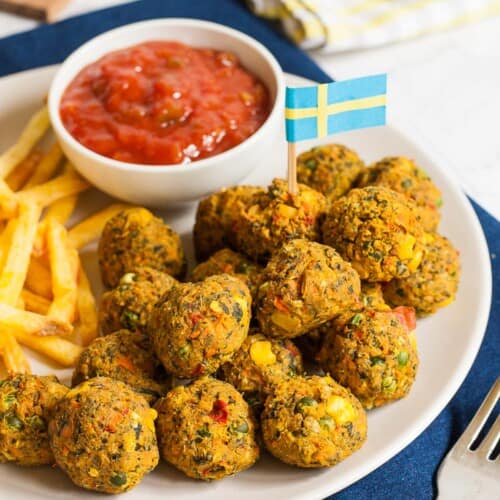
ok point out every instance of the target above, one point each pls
(163, 102)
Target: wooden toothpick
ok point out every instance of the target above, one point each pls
(292, 169)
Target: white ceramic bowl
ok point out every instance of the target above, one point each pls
(160, 185)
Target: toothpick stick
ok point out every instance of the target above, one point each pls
(292, 168)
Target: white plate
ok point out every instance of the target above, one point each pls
(448, 341)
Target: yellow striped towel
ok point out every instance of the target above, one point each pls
(339, 25)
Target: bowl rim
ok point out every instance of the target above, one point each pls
(64, 134)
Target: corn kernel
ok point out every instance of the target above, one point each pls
(285, 321)
(413, 339)
(340, 409)
(415, 261)
(286, 211)
(261, 353)
(93, 472)
(215, 306)
(129, 441)
(405, 250)
(150, 418)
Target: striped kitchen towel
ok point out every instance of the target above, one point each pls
(339, 25)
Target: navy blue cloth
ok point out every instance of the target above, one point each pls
(411, 474)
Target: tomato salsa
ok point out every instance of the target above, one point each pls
(163, 102)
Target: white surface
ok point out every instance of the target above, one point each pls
(445, 86)
(161, 186)
(448, 341)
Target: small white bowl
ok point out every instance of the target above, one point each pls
(162, 185)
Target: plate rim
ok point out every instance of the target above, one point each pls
(401, 127)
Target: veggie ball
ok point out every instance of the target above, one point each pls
(125, 356)
(404, 176)
(377, 231)
(135, 238)
(129, 305)
(371, 296)
(206, 430)
(373, 354)
(276, 216)
(331, 169)
(306, 284)
(215, 217)
(103, 436)
(434, 284)
(195, 327)
(26, 405)
(227, 261)
(260, 363)
(312, 422)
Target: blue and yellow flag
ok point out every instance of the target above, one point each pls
(329, 108)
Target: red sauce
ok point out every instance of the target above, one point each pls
(164, 102)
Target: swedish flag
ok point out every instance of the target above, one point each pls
(329, 108)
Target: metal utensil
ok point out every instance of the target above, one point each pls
(472, 474)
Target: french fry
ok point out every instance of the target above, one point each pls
(87, 310)
(20, 175)
(38, 279)
(62, 351)
(91, 228)
(32, 133)
(5, 239)
(47, 166)
(55, 189)
(17, 260)
(13, 356)
(64, 263)
(8, 201)
(14, 319)
(35, 303)
(61, 210)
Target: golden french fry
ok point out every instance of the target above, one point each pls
(20, 175)
(91, 228)
(13, 356)
(17, 260)
(35, 303)
(47, 166)
(38, 279)
(62, 351)
(5, 239)
(8, 200)
(87, 310)
(14, 319)
(64, 263)
(55, 189)
(31, 134)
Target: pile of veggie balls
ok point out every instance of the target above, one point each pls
(299, 317)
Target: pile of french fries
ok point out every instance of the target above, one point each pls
(46, 302)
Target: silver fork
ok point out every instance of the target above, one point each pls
(471, 475)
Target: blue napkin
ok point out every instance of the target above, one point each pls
(411, 474)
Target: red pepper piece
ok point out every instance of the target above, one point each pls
(406, 316)
(219, 412)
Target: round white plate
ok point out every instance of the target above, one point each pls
(448, 341)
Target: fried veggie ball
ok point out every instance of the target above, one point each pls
(135, 238)
(206, 430)
(195, 327)
(377, 231)
(215, 217)
(306, 283)
(371, 297)
(404, 176)
(103, 436)
(261, 362)
(125, 356)
(276, 216)
(129, 305)
(373, 354)
(229, 262)
(434, 284)
(331, 169)
(26, 405)
(312, 422)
